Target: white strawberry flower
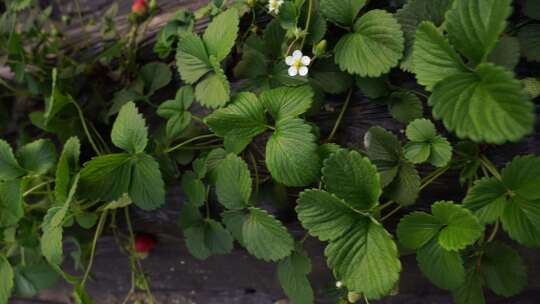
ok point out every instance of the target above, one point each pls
(339, 284)
(298, 63)
(274, 5)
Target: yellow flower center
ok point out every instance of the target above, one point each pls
(297, 63)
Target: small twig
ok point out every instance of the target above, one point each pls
(340, 117)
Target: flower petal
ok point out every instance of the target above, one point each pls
(289, 60)
(297, 54)
(306, 60)
(293, 71)
(303, 71)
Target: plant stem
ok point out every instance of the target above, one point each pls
(433, 176)
(29, 191)
(134, 256)
(99, 229)
(383, 206)
(340, 117)
(308, 23)
(494, 232)
(85, 127)
(490, 167)
(254, 164)
(180, 145)
(389, 214)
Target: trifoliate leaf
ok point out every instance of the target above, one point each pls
(129, 131)
(433, 58)
(503, 270)
(265, 237)
(192, 59)
(411, 15)
(213, 91)
(9, 167)
(468, 102)
(155, 76)
(6, 279)
(353, 178)
(220, 35)
(284, 102)
(327, 75)
(68, 163)
(375, 30)
(176, 112)
(444, 268)
(405, 106)
(529, 41)
(11, 203)
(417, 229)
(291, 153)
(373, 87)
(487, 199)
(147, 189)
(194, 188)
(292, 272)
(243, 118)
(506, 53)
(361, 253)
(233, 184)
(208, 238)
(426, 145)
(531, 9)
(38, 157)
(474, 26)
(341, 12)
(461, 227)
(470, 292)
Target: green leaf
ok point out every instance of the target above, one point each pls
(384, 150)
(375, 46)
(531, 9)
(147, 189)
(86, 220)
(461, 227)
(121, 202)
(189, 216)
(373, 87)
(283, 103)
(11, 203)
(416, 229)
(234, 221)
(192, 59)
(265, 237)
(233, 184)
(327, 75)
(353, 178)
(341, 12)
(506, 53)
(155, 76)
(405, 188)
(433, 58)
(176, 112)
(9, 168)
(444, 268)
(220, 35)
(531, 86)
(361, 253)
(213, 91)
(81, 296)
(487, 199)
(38, 156)
(426, 144)
(194, 188)
(56, 102)
(129, 131)
(208, 238)
(288, 15)
(411, 15)
(6, 280)
(405, 106)
(67, 164)
(291, 153)
(529, 41)
(292, 272)
(470, 292)
(243, 118)
(474, 26)
(503, 270)
(486, 105)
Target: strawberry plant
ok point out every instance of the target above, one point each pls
(90, 136)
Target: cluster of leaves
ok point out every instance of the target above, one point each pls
(239, 125)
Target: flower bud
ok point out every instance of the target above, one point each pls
(353, 297)
(320, 48)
